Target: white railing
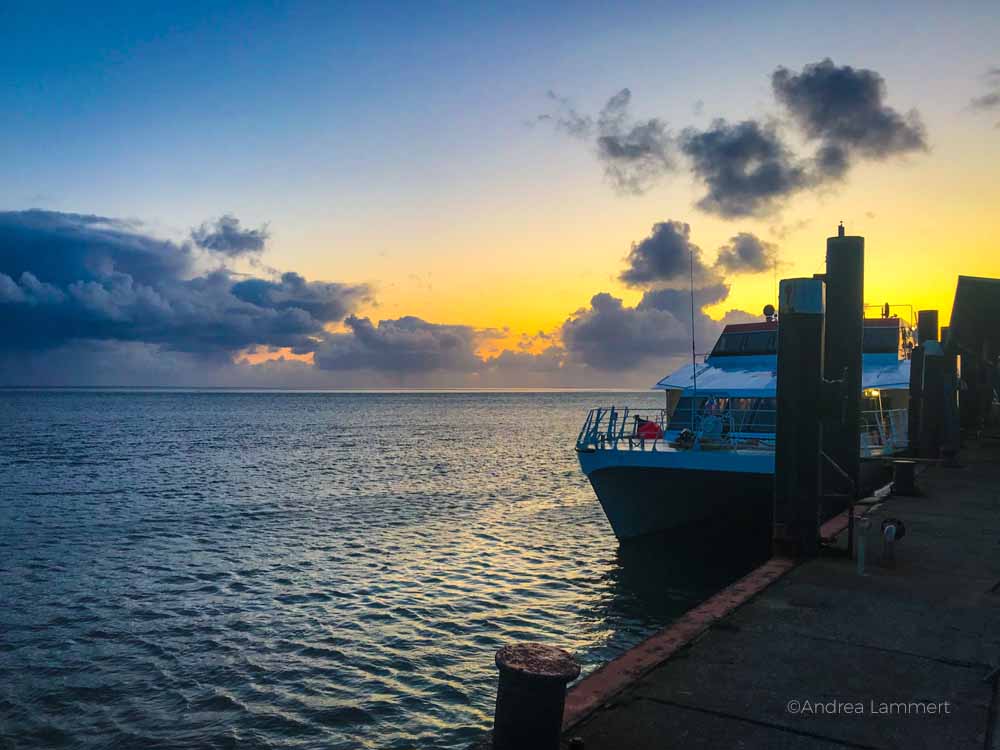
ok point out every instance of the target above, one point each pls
(884, 432)
(618, 428)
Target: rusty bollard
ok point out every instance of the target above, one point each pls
(904, 478)
(531, 696)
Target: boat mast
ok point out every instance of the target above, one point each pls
(694, 363)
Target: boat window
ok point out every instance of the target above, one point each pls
(747, 342)
(742, 414)
(881, 340)
(763, 417)
(681, 417)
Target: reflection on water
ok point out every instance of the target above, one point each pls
(658, 576)
(308, 570)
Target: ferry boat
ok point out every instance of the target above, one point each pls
(710, 448)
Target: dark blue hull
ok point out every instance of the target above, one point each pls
(642, 500)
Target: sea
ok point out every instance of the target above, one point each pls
(223, 569)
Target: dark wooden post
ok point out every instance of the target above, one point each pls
(952, 429)
(798, 439)
(845, 326)
(916, 397)
(927, 325)
(932, 401)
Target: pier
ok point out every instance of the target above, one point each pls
(876, 622)
(875, 627)
(904, 655)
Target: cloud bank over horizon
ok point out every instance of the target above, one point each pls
(92, 300)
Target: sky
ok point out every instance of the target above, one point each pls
(470, 195)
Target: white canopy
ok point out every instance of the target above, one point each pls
(749, 377)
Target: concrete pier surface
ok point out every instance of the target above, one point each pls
(818, 656)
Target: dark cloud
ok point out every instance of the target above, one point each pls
(404, 345)
(989, 101)
(986, 101)
(226, 236)
(635, 154)
(609, 335)
(664, 256)
(61, 248)
(567, 119)
(783, 231)
(844, 108)
(99, 301)
(323, 300)
(746, 167)
(549, 361)
(746, 253)
(70, 277)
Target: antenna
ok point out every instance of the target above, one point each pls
(840, 230)
(694, 361)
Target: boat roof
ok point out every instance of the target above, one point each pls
(757, 376)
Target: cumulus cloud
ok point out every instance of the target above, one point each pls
(550, 360)
(72, 277)
(635, 154)
(323, 300)
(747, 253)
(664, 256)
(91, 300)
(403, 345)
(745, 166)
(64, 247)
(226, 236)
(609, 335)
(844, 108)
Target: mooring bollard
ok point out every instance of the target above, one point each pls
(861, 529)
(904, 478)
(531, 696)
(893, 530)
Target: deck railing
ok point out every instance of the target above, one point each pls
(884, 432)
(618, 428)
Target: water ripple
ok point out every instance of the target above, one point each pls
(302, 570)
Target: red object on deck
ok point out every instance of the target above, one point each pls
(649, 431)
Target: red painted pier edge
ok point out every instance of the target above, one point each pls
(600, 686)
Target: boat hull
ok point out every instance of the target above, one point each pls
(645, 494)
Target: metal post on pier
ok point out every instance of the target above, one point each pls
(531, 696)
(952, 427)
(916, 391)
(845, 284)
(930, 366)
(798, 435)
(927, 325)
(933, 407)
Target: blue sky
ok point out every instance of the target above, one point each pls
(396, 144)
(156, 109)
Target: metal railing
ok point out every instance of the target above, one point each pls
(618, 428)
(608, 426)
(621, 428)
(884, 432)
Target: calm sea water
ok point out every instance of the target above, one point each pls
(224, 569)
